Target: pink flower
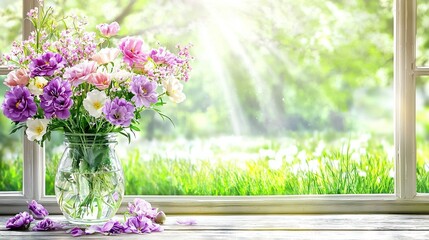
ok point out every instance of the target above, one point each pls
(80, 72)
(105, 55)
(100, 80)
(132, 48)
(108, 30)
(17, 77)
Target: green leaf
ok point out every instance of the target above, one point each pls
(16, 128)
(127, 135)
(133, 127)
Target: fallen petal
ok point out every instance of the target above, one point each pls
(186, 221)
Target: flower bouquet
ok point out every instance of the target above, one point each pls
(89, 86)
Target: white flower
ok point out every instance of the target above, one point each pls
(121, 76)
(174, 89)
(149, 66)
(94, 102)
(36, 128)
(105, 55)
(36, 85)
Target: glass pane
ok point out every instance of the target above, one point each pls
(422, 134)
(422, 40)
(53, 151)
(285, 97)
(11, 152)
(10, 23)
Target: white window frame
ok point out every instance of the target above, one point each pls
(404, 200)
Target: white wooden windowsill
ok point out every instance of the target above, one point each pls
(311, 226)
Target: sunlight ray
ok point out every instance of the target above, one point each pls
(236, 32)
(238, 121)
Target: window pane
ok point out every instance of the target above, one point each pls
(11, 152)
(10, 23)
(286, 97)
(422, 40)
(422, 134)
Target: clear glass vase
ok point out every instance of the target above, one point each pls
(89, 185)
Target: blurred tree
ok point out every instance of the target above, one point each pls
(262, 67)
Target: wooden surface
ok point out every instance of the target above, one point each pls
(376, 226)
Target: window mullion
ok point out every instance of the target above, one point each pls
(405, 144)
(33, 153)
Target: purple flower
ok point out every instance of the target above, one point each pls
(109, 228)
(119, 112)
(20, 221)
(47, 225)
(161, 56)
(56, 99)
(19, 105)
(38, 211)
(140, 207)
(144, 91)
(141, 224)
(76, 232)
(46, 64)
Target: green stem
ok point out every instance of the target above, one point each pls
(100, 208)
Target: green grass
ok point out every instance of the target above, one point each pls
(262, 167)
(11, 175)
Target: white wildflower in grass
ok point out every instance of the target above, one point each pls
(36, 128)
(94, 102)
(275, 164)
(36, 85)
(174, 89)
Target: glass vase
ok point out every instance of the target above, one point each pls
(89, 184)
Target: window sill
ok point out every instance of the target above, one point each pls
(351, 226)
(310, 204)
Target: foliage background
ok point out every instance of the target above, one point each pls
(274, 76)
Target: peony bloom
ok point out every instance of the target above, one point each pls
(56, 99)
(140, 207)
(47, 225)
(36, 85)
(174, 89)
(36, 128)
(80, 72)
(38, 211)
(119, 112)
(108, 30)
(100, 80)
(94, 102)
(46, 64)
(111, 227)
(132, 49)
(18, 104)
(21, 221)
(144, 91)
(105, 55)
(141, 224)
(17, 77)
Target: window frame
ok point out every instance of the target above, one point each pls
(404, 200)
